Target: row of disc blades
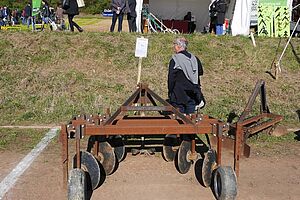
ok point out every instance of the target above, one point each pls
(111, 151)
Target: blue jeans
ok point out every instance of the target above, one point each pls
(113, 22)
(219, 29)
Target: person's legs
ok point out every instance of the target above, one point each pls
(120, 22)
(77, 26)
(28, 22)
(129, 19)
(113, 22)
(133, 24)
(70, 18)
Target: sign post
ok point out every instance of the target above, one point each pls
(141, 52)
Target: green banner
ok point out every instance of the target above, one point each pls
(273, 2)
(282, 21)
(273, 18)
(265, 21)
(36, 5)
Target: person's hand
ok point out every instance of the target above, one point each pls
(200, 105)
(118, 10)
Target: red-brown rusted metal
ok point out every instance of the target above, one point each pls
(145, 113)
(219, 146)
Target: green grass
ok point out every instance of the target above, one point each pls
(19, 139)
(267, 145)
(46, 77)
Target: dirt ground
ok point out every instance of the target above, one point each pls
(143, 177)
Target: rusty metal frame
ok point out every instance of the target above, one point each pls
(165, 120)
(247, 126)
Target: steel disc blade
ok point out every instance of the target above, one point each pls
(208, 166)
(183, 163)
(91, 165)
(168, 152)
(119, 148)
(107, 157)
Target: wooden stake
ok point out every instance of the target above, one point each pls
(139, 71)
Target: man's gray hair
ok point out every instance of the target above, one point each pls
(182, 42)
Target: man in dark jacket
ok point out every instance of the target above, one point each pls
(184, 89)
(131, 15)
(72, 11)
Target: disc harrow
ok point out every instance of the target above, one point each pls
(145, 114)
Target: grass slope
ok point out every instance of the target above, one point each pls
(46, 77)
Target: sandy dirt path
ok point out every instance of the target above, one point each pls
(150, 177)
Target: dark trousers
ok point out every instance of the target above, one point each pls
(72, 24)
(113, 22)
(131, 23)
(187, 108)
(191, 27)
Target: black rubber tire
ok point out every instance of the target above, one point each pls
(225, 183)
(209, 162)
(77, 189)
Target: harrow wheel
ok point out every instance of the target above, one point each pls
(209, 163)
(119, 148)
(90, 165)
(183, 163)
(168, 152)
(225, 183)
(107, 157)
(77, 189)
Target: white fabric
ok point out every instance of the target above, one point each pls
(138, 9)
(177, 9)
(241, 18)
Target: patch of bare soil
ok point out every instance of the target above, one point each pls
(150, 177)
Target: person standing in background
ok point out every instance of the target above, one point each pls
(59, 15)
(191, 24)
(213, 16)
(28, 14)
(131, 15)
(221, 9)
(72, 11)
(118, 7)
(45, 13)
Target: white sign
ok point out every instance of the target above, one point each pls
(80, 3)
(141, 47)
